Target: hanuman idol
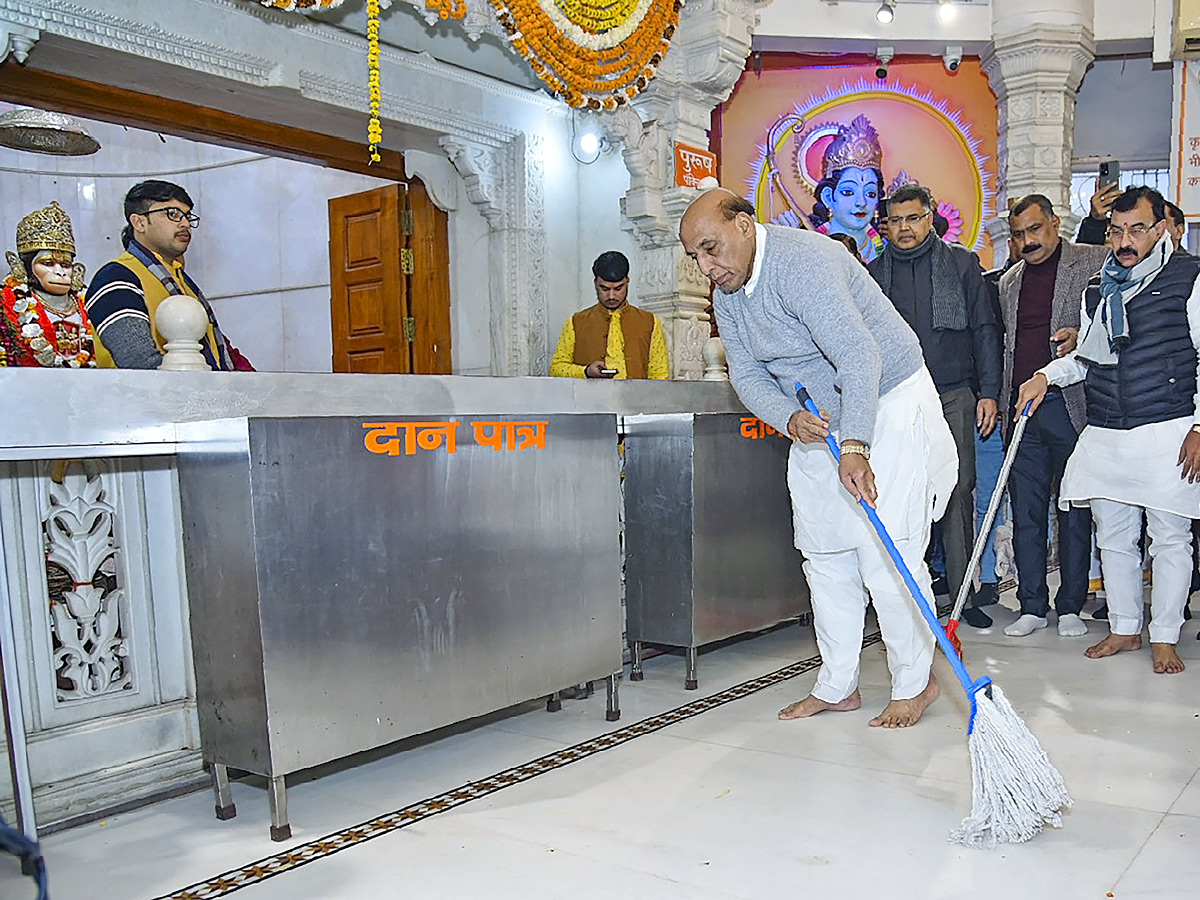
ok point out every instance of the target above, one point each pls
(42, 317)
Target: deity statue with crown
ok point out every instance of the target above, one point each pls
(851, 185)
(43, 321)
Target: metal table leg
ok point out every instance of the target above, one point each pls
(690, 683)
(613, 712)
(10, 700)
(281, 830)
(224, 796)
(635, 671)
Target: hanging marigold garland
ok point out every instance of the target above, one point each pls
(374, 127)
(597, 54)
(448, 9)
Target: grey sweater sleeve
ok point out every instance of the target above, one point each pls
(841, 333)
(755, 386)
(131, 344)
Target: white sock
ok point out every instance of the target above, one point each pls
(1027, 624)
(1070, 625)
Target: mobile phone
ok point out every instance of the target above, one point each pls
(607, 372)
(1110, 173)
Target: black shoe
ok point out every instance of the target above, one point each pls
(1101, 612)
(976, 617)
(941, 587)
(988, 594)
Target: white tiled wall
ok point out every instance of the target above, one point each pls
(261, 251)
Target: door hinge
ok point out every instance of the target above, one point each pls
(410, 329)
(407, 264)
(406, 221)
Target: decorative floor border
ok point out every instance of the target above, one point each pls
(303, 854)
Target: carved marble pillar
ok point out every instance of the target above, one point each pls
(505, 180)
(705, 60)
(1035, 65)
(17, 39)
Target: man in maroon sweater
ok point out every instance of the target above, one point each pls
(1040, 303)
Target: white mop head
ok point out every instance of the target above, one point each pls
(1017, 791)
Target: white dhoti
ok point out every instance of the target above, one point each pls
(1124, 475)
(916, 466)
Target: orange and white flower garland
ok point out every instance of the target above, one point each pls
(301, 5)
(597, 54)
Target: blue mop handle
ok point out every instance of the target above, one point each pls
(935, 626)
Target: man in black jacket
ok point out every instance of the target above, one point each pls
(1138, 459)
(938, 289)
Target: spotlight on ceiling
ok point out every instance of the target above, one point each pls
(886, 12)
(947, 11)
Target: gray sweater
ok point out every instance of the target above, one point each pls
(817, 317)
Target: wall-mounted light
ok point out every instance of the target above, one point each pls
(886, 12)
(587, 141)
(947, 11)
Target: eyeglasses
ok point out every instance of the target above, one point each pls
(897, 221)
(175, 214)
(1140, 230)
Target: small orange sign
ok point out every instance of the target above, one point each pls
(755, 428)
(693, 164)
(386, 437)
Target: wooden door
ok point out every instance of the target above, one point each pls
(429, 285)
(389, 266)
(367, 287)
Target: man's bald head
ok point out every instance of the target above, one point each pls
(717, 231)
(722, 201)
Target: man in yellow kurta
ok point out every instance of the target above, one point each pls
(611, 339)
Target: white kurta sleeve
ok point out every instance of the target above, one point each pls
(1193, 314)
(1068, 369)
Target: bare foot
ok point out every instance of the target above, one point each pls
(1114, 644)
(1166, 660)
(902, 713)
(810, 706)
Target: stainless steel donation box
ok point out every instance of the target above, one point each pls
(708, 532)
(355, 581)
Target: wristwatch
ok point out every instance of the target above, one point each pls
(858, 448)
(1196, 428)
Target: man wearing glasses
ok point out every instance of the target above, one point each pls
(938, 289)
(124, 294)
(1139, 455)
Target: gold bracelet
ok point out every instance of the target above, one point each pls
(1196, 428)
(857, 448)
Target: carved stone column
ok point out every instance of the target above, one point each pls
(1035, 65)
(705, 60)
(16, 39)
(506, 182)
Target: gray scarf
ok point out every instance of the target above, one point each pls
(1108, 330)
(949, 304)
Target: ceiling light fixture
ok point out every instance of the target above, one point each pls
(886, 12)
(947, 11)
(42, 131)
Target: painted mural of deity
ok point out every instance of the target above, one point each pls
(851, 185)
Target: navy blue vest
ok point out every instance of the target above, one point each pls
(1154, 379)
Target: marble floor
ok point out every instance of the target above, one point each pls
(726, 803)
